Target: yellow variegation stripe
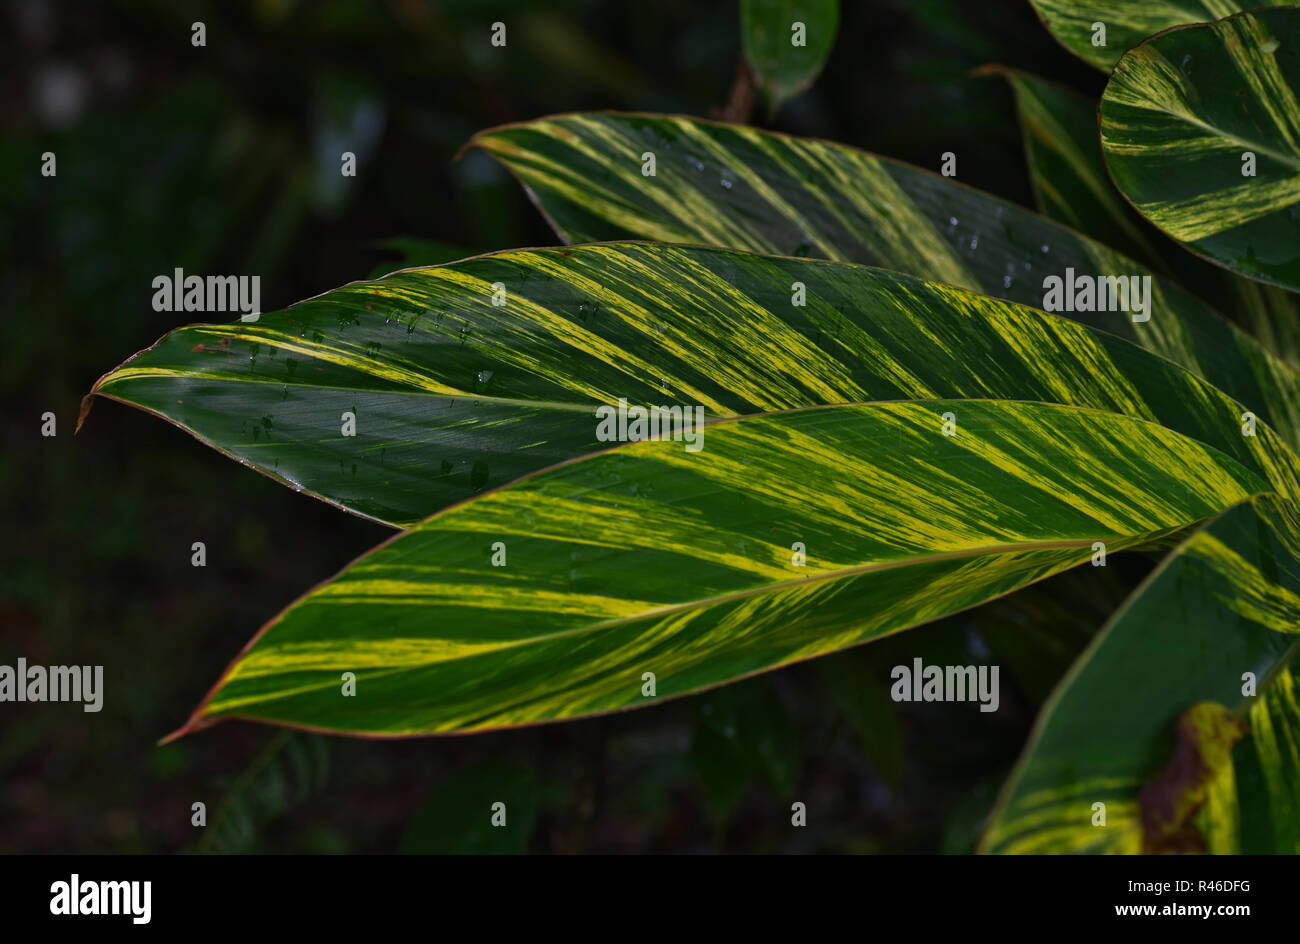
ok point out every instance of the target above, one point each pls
(1203, 215)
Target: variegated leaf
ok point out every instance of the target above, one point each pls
(1201, 130)
(447, 394)
(1218, 622)
(1068, 174)
(1072, 186)
(649, 571)
(737, 187)
(1126, 22)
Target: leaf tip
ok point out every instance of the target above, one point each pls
(987, 69)
(473, 142)
(195, 723)
(86, 403)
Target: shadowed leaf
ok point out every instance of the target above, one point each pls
(787, 42)
(1127, 22)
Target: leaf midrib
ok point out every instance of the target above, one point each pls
(842, 573)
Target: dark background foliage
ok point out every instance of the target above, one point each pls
(225, 159)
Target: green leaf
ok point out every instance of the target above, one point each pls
(743, 733)
(1066, 169)
(1183, 116)
(961, 834)
(854, 679)
(651, 559)
(787, 42)
(290, 769)
(1271, 314)
(1128, 22)
(733, 186)
(457, 818)
(452, 394)
(1265, 781)
(1071, 185)
(1225, 603)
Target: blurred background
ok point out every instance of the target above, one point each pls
(224, 158)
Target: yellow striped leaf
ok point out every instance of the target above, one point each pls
(1217, 622)
(397, 397)
(1072, 186)
(1201, 130)
(740, 188)
(1126, 22)
(1068, 174)
(648, 572)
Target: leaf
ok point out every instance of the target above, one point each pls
(290, 769)
(1071, 185)
(787, 42)
(1180, 118)
(1265, 777)
(1226, 602)
(961, 833)
(650, 559)
(451, 394)
(732, 186)
(743, 733)
(456, 819)
(854, 679)
(1270, 314)
(1036, 634)
(1066, 169)
(1128, 22)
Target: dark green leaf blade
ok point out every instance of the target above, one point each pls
(853, 678)
(786, 43)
